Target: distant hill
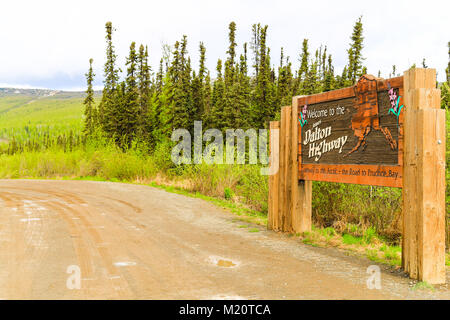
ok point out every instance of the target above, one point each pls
(20, 108)
(40, 92)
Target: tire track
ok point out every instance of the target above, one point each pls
(29, 243)
(66, 206)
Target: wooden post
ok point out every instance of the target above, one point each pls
(287, 225)
(282, 176)
(289, 199)
(301, 202)
(272, 217)
(423, 254)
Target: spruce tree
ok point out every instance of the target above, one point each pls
(231, 93)
(107, 106)
(255, 46)
(284, 82)
(342, 80)
(329, 75)
(304, 60)
(129, 110)
(323, 65)
(303, 69)
(202, 68)
(143, 79)
(180, 73)
(232, 46)
(159, 77)
(243, 91)
(355, 57)
(311, 83)
(264, 107)
(89, 107)
(197, 97)
(207, 90)
(218, 101)
(163, 111)
(394, 68)
(198, 86)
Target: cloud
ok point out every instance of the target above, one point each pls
(49, 43)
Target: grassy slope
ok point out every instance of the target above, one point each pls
(9, 103)
(63, 110)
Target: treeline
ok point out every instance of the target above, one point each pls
(246, 91)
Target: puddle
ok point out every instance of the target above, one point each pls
(124, 264)
(30, 219)
(225, 263)
(221, 262)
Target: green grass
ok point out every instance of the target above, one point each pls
(372, 254)
(369, 244)
(63, 110)
(392, 254)
(368, 236)
(423, 285)
(9, 103)
(349, 239)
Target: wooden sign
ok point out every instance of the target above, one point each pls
(378, 132)
(353, 135)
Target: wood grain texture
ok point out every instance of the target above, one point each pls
(305, 206)
(373, 150)
(431, 210)
(301, 193)
(423, 240)
(287, 225)
(410, 195)
(272, 217)
(282, 172)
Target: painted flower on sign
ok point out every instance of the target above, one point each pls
(395, 101)
(302, 119)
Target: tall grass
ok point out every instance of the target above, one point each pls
(339, 205)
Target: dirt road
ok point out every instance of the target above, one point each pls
(138, 242)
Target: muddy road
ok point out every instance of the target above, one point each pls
(125, 241)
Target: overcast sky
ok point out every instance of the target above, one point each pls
(48, 43)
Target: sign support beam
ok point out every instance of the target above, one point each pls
(423, 243)
(301, 201)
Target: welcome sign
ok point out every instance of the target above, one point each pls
(353, 135)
